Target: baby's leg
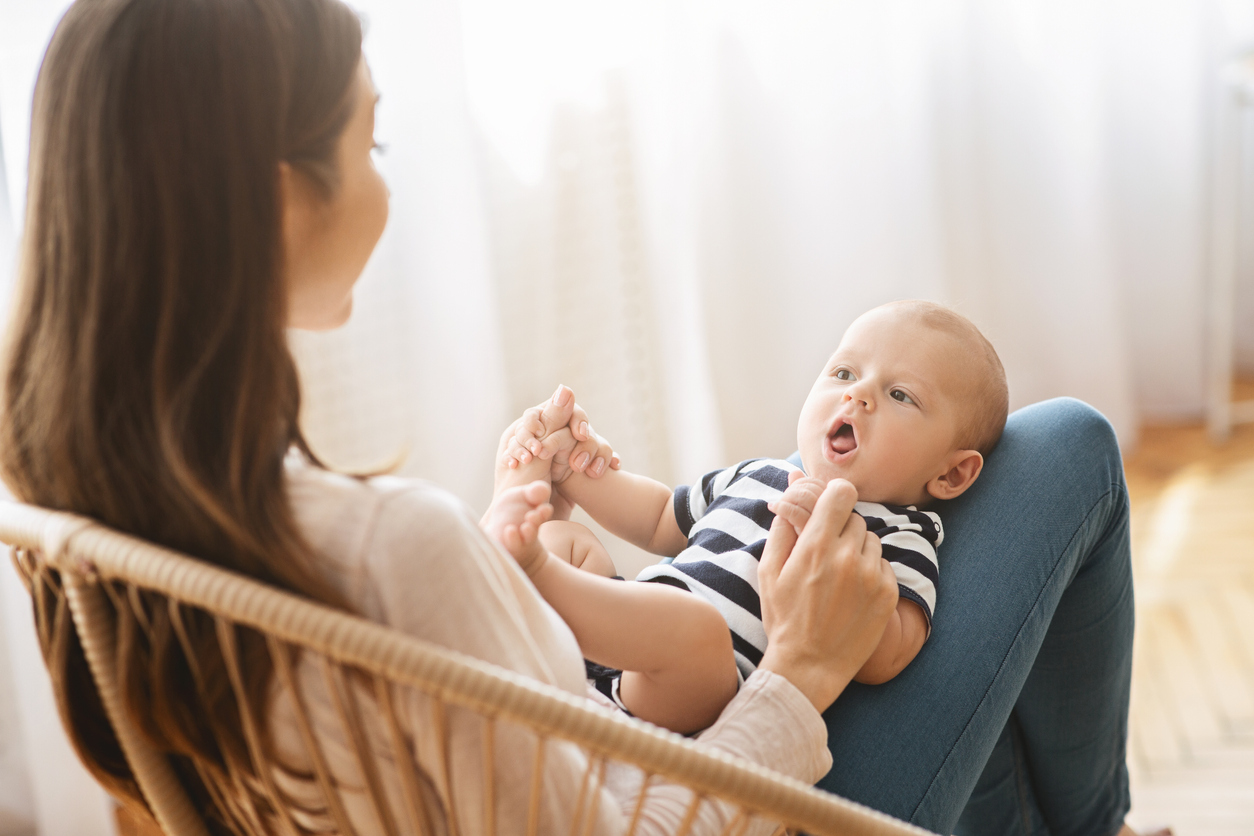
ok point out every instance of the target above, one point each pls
(674, 647)
(578, 546)
(690, 674)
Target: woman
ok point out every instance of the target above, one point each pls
(201, 178)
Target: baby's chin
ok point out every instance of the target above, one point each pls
(868, 490)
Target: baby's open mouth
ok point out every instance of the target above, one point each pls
(843, 440)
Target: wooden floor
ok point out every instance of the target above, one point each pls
(1191, 731)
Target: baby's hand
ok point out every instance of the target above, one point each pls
(515, 523)
(558, 430)
(797, 503)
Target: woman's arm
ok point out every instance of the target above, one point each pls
(437, 576)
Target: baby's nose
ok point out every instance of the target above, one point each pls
(859, 395)
(858, 399)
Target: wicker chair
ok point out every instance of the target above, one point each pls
(94, 560)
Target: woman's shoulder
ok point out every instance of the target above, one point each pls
(411, 555)
(349, 519)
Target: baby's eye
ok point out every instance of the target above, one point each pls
(844, 374)
(901, 396)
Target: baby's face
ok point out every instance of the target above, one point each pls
(884, 413)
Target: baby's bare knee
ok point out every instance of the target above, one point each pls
(706, 634)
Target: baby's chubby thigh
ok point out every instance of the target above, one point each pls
(577, 545)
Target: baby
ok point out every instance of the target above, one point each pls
(906, 410)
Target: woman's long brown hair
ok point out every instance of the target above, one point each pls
(148, 382)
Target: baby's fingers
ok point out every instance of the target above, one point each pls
(515, 454)
(798, 502)
(791, 512)
(530, 430)
(555, 442)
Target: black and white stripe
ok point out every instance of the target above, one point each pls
(726, 521)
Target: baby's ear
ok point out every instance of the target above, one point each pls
(964, 466)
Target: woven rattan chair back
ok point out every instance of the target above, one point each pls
(100, 568)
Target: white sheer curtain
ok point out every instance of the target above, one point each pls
(15, 808)
(677, 207)
(1043, 166)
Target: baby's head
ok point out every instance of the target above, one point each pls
(907, 408)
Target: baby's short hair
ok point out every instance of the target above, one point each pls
(988, 396)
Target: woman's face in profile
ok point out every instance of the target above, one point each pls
(327, 242)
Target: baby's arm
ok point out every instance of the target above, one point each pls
(634, 507)
(638, 509)
(903, 638)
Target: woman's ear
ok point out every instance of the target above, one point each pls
(964, 466)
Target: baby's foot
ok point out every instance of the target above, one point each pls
(515, 522)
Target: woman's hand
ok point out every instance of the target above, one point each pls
(556, 431)
(539, 434)
(826, 596)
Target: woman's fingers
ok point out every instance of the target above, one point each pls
(833, 508)
(873, 549)
(593, 456)
(579, 426)
(855, 528)
(779, 545)
(558, 431)
(826, 596)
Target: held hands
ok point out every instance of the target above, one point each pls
(556, 431)
(826, 593)
(797, 503)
